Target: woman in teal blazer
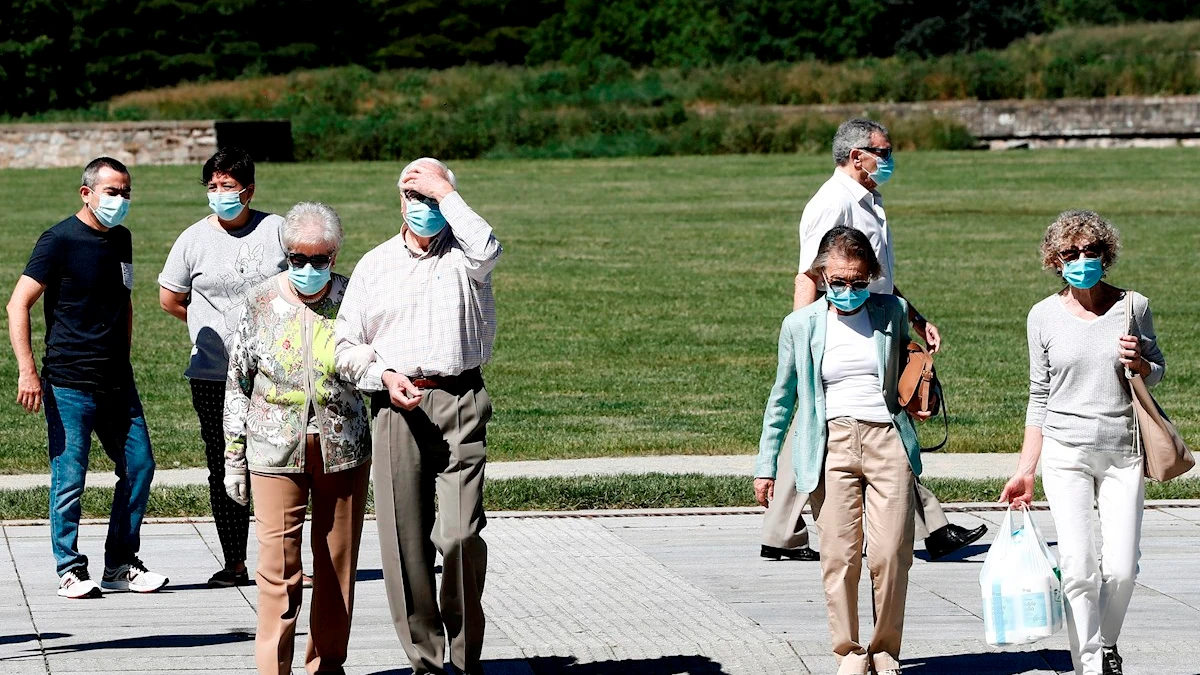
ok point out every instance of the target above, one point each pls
(840, 360)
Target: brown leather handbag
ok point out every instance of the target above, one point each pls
(919, 389)
(1165, 453)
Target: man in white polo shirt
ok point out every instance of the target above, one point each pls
(862, 151)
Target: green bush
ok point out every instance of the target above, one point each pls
(605, 108)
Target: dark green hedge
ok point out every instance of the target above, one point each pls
(57, 54)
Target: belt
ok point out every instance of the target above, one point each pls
(455, 385)
(465, 379)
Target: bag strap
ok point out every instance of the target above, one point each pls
(1137, 425)
(945, 423)
(1128, 325)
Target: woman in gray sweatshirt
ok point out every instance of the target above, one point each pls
(1080, 424)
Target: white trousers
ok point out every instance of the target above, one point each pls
(1098, 577)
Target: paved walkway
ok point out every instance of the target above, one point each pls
(622, 593)
(937, 465)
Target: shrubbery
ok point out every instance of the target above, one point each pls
(67, 53)
(605, 107)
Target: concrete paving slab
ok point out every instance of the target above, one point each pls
(637, 595)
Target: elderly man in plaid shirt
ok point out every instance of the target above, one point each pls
(417, 323)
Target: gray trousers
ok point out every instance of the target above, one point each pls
(784, 526)
(435, 450)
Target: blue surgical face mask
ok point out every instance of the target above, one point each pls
(309, 281)
(112, 210)
(848, 300)
(1083, 273)
(883, 170)
(227, 205)
(424, 220)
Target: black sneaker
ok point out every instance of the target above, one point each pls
(1112, 661)
(227, 578)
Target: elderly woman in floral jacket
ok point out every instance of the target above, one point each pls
(299, 430)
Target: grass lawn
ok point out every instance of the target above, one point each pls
(650, 491)
(640, 299)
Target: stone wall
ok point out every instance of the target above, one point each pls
(25, 146)
(1101, 122)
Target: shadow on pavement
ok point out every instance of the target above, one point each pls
(202, 586)
(666, 665)
(154, 642)
(960, 555)
(965, 552)
(30, 637)
(567, 665)
(377, 575)
(368, 575)
(991, 663)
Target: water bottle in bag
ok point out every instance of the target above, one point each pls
(1021, 585)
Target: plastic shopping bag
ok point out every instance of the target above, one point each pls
(1021, 585)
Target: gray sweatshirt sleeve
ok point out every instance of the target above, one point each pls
(1039, 372)
(1144, 327)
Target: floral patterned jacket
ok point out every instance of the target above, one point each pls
(282, 361)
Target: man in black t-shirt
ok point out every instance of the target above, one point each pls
(84, 268)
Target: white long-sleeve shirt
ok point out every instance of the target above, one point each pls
(425, 314)
(842, 201)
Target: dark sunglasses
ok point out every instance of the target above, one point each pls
(319, 262)
(1089, 251)
(882, 153)
(414, 196)
(840, 285)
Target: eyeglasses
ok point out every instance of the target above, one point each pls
(840, 285)
(882, 153)
(414, 196)
(1094, 250)
(319, 262)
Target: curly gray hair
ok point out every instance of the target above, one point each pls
(1079, 226)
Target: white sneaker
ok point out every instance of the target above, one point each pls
(132, 577)
(893, 671)
(77, 584)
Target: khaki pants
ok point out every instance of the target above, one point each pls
(437, 449)
(865, 462)
(280, 502)
(783, 523)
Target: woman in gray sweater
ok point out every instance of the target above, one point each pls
(1080, 424)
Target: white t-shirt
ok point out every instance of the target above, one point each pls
(850, 369)
(842, 201)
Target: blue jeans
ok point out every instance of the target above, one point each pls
(120, 425)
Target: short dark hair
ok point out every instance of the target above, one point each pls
(231, 161)
(92, 171)
(850, 243)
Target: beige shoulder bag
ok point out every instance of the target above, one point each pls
(1164, 454)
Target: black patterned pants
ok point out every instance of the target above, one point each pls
(232, 519)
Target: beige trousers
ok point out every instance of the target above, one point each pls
(280, 502)
(435, 450)
(865, 462)
(783, 523)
